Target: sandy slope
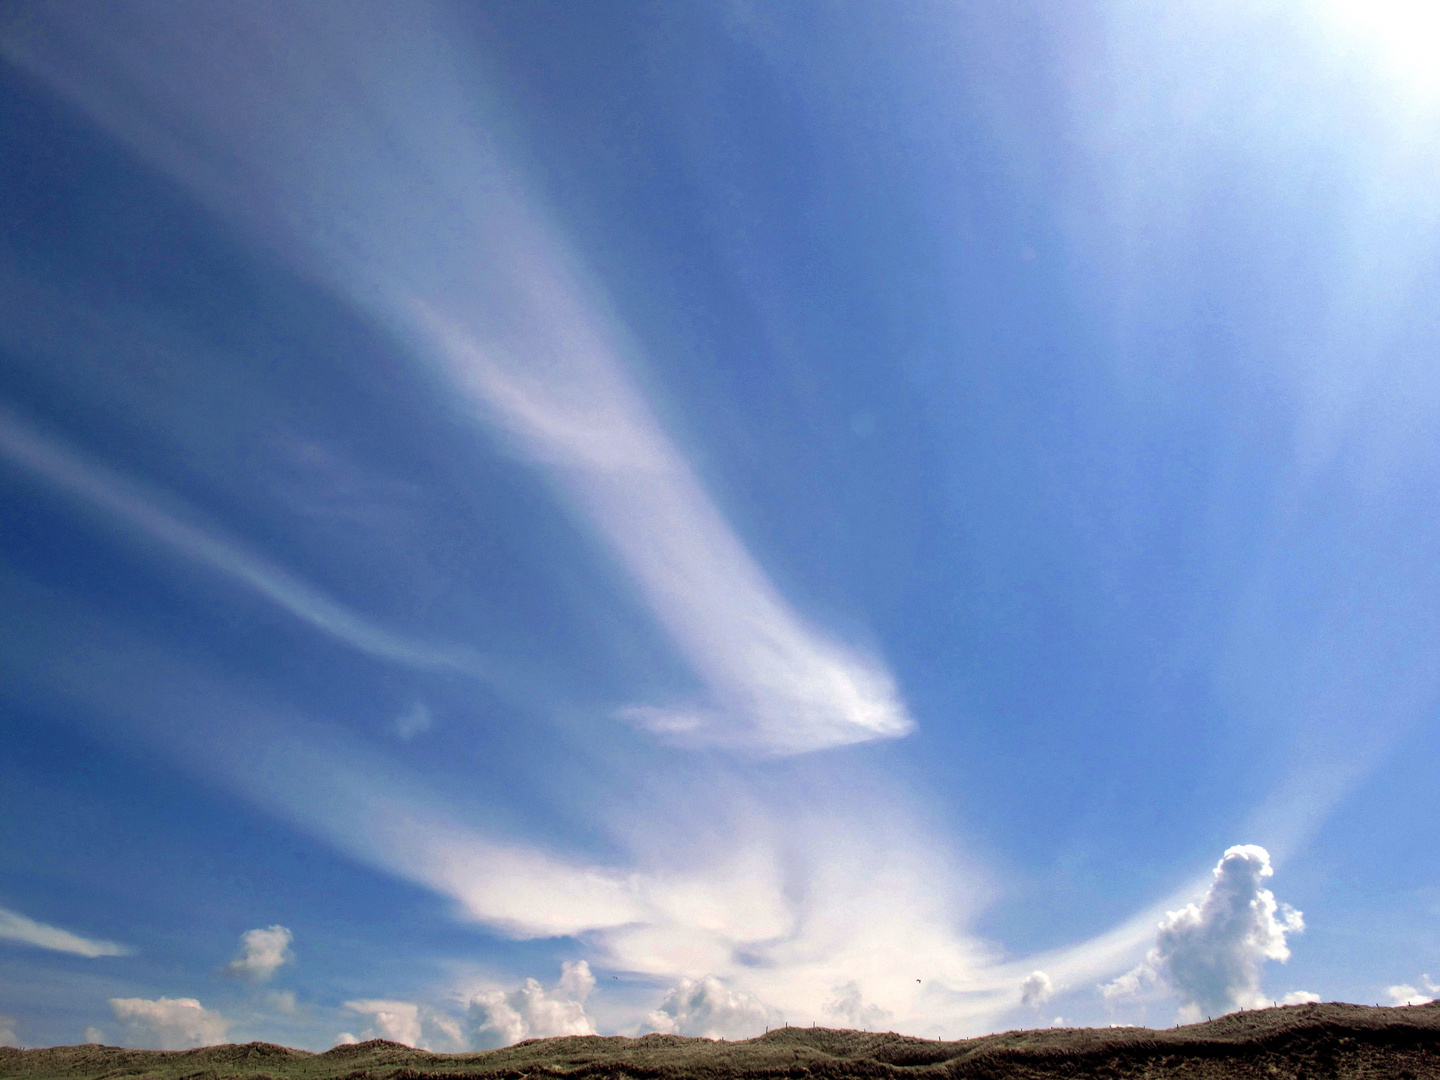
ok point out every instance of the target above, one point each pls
(1303, 1041)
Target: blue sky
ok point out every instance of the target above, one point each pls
(526, 519)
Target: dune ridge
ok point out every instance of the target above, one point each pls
(1300, 1042)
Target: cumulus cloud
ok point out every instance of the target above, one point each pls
(1036, 989)
(406, 1022)
(345, 1038)
(849, 1007)
(16, 927)
(261, 952)
(282, 1001)
(1211, 954)
(1405, 994)
(7, 1032)
(169, 1023)
(710, 1009)
(500, 1017)
(1300, 997)
(398, 1021)
(94, 1035)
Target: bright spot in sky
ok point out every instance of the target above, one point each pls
(1404, 35)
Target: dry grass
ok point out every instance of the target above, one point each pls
(1303, 1042)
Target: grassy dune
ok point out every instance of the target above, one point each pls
(1303, 1042)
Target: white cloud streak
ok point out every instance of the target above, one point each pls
(262, 952)
(409, 213)
(437, 243)
(18, 928)
(129, 504)
(169, 1023)
(501, 1017)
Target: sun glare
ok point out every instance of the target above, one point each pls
(1404, 34)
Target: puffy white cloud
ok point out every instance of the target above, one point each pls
(169, 1023)
(261, 952)
(499, 1017)
(94, 1035)
(1036, 989)
(849, 1007)
(710, 1009)
(1211, 954)
(398, 1021)
(408, 1022)
(16, 927)
(1405, 994)
(1300, 997)
(7, 1032)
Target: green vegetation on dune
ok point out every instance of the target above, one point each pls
(1293, 1043)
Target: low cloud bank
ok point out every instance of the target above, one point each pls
(709, 1009)
(406, 1022)
(1405, 994)
(262, 951)
(1211, 954)
(169, 1023)
(7, 1032)
(849, 1007)
(16, 927)
(500, 1017)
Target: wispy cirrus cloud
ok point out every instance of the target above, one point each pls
(440, 244)
(128, 504)
(26, 931)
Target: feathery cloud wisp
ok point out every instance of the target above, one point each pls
(16, 927)
(439, 243)
(262, 951)
(128, 503)
(169, 1023)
